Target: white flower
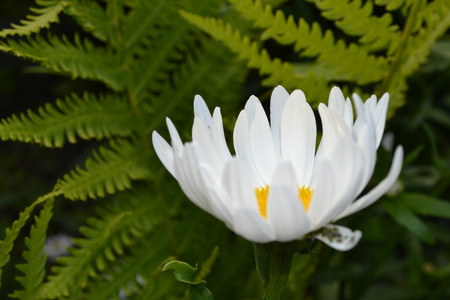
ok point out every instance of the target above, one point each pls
(277, 187)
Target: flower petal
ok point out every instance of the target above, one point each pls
(201, 111)
(236, 183)
(176, 142)
(298, 136)
(285, 212)
(218, 136)
(163, 151)
(241, 141)
(380, 189)
(251, 226)
(347, 161)
(379, 117)
(277, 102)
(201, 135)
(323, 195)
(339, 237)
(261, 144)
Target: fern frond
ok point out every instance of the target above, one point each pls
(87, 117)
(120, 225)
(11, 233)
(309, 41)
(417, 48)
(357, 19)
(437, 19)
(47, 13)
(33, 269)
(109, 170)
(278, 72)
(79, 59)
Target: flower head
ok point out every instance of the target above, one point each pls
(278, 186)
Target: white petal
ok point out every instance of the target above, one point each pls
(201, 135)
(186, 172)
(201, 111)
(250, 108)
(285, 211)
(339, 237)
(261, 144)
(163, 151)
(277, 102)
(347, 163)
(323, 195)
(236, 183)
(380, 189)
(348, 114)
(241, 141)
(177, 144)
(220, 203)
(298, 135)
(218, 136)
(379, 116)
(337, 100)
(251, 226)
(364, 132)
(334, 129)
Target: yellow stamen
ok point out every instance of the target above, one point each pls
(262, 193)
(305, 194)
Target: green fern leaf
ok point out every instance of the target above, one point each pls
(79, 59)
(11, 233)
(87, 117)
(278, 72)
(121, 225)
(35, 259)
(109, 171)
(358, 20)
(47, 13)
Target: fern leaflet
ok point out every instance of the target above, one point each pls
(109, 170)
(47, 13)
(79, 59)
(35, 259)
(357, 19)
(87, 117)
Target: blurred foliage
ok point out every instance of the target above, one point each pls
(95, 78)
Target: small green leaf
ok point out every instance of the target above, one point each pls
(409, 220)
(426, 205)
(183, 272)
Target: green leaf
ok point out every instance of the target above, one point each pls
(426, 205)
(182, 271)
(34, 268)
(409, 220)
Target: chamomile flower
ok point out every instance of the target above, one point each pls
(278, 186)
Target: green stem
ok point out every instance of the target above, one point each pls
(409, 26)
(279, 268)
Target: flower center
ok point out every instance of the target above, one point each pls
(262, 193)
